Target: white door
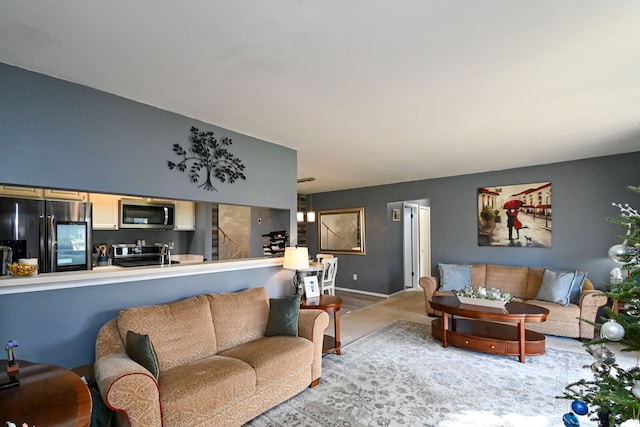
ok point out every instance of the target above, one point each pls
(411, 243)
(425, 241)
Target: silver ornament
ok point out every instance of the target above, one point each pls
(612, 330)
(603, 355)
(636, 389)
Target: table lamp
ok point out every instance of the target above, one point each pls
(296, 259)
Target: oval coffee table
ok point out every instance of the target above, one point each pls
(477, 327)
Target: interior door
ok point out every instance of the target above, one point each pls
(425, 241)
(411, 245)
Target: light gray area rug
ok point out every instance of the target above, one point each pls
(400, 376)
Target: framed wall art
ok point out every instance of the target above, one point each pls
(341, 231)
(515, 215)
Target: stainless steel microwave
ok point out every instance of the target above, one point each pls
(150, 215)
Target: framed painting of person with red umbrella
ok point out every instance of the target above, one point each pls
(517, 215)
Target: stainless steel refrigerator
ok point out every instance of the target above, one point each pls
(56, 232)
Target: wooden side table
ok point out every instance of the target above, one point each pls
(48, 395)
(331, 304)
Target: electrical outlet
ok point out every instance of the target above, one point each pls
(355, 277)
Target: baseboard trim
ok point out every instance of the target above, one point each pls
(356, 291)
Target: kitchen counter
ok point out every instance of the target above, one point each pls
(112, 274)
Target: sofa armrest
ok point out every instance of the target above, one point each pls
(590, 303)
(311, 325)
(125, 386)
(429, 285)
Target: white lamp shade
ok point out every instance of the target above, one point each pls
(311, 216)
(296, 258)
(300, 216)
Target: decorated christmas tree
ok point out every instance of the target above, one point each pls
(612, 396)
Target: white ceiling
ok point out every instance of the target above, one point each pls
(368, 91)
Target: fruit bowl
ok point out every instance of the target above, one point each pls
(22, 270)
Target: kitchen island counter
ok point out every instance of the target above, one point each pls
(114, 274)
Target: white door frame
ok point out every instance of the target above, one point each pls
(416, 243)
(425, 241)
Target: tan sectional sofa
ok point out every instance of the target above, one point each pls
(524, 283)
(216, 366)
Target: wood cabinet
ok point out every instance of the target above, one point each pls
(40, 193)
(6, 190)
(185, 216)
(66, 195)
(105, 211)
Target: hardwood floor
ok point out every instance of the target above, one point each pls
(352, 301)
(363, 314)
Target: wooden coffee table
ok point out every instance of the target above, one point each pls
(477, 327)
(48, 395)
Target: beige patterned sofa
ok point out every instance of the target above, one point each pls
(216, 366)
(524, 284)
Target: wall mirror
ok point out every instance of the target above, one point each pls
(341, 231)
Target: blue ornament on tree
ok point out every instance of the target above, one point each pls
(579, 407)
(570, 420)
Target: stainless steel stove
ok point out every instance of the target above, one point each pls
(131, 255)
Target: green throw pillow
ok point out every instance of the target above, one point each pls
(283, 316)
(140, 350)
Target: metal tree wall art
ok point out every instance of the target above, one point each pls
(210, 155)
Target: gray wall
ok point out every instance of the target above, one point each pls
(582, 195)
(57, 134)
(62, 135)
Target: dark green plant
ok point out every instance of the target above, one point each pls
(211, 155)
(487, 213)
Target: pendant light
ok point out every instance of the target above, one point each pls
(310, 215)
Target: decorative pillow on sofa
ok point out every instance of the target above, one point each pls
(283, 316)
(140, 350)
(556, 286)
(454, 277)
(576, 289)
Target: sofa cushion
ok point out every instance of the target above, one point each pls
(181, 331)
(533, 283)
(556, 286)
(283, 316)
(508, 279)
(454, 276)
(274, 357)
(239, 317)
(478, 275)
(192, 393)
(561, 321)
(140, 350)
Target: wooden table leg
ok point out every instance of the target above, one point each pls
(522, 340)
(445, 328)
(336, 320)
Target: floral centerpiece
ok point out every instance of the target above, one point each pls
(492, 297)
